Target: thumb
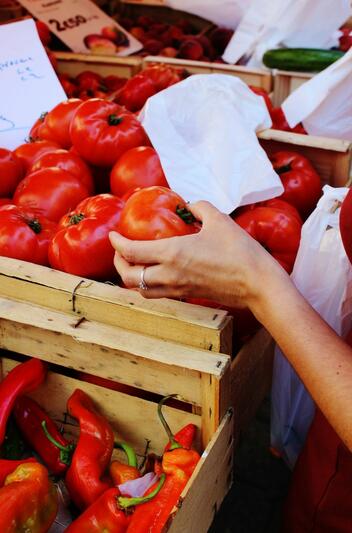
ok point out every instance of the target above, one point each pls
(203, 211)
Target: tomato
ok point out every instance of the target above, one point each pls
(82, 246)
(55, 125)
(280, 123)
(163, 76)
(152, 213)
(345, 39)
(5, 201)
(29, 152)
(68, 85)
(68, 161)
(138, 167)
(301, 182)
(346, 224)
(102, 131)
(88, 80)
(262, 92)
(25, 235)
(277, 203)
(277, 230)
(11, 172)
(114, 83)
(136, 92)
(52, 192)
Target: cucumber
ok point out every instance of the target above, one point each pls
(301, 59)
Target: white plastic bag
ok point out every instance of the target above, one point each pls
(324, 103)
(226, 13)
(323, 274)
(204, 130)
(293, 23)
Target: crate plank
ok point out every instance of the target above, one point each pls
(286, 82)
(133, 419)
(208, 486)
(165, 319)
(260, 78)
(72, 64)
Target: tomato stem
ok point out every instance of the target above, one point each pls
(283, 169)
(42, 116)
(114, 120)
(75, 219)
(186, 215)
(35, 225)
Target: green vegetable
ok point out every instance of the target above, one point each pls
(301, 59)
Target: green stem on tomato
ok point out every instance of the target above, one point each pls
(114, 120)
(186, 215)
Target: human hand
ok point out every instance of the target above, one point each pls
(220, 263)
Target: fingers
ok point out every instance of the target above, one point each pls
(131, 275)
(138, 252)
(203, 211)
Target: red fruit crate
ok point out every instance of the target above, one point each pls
(73, 64)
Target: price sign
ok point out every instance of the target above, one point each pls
(83, 27)
(28, 83)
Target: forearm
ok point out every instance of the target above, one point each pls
(320, 357)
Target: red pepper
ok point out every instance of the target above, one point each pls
(120, 472)
(22, 379)
(28, 501)
(185, 437)
(84, 478)
(103, 515)
(7, 466)
(178, 464)
(47, 442)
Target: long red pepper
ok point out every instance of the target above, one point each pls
(22, 379)
(178, 465)
(47, 441)
(103, 515)
(84, 478)
(184, 437)
(120, 472)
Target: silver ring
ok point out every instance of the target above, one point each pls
(142, 284)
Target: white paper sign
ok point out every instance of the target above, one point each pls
(83, 27)
(204, 130)
(28, 83)
(226, 13)
(292, 23)
(324, 103)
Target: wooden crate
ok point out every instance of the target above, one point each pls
(257, 77)
(286, 82)
(72, 64)
(331, 157)
(10, 10)
(134, 420)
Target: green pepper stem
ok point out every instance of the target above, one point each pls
(173, 442)
(65, 451)
(129, 451)
(125, 503)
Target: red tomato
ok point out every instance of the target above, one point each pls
(28, 153)
(11, 172)
(262, 92)
(88, 80)
(82, 246)
(129, 193)
(25, 235)
(68, 85)
(102, 131)
(52, 192)
(277, 203)
(345, 39)
(278, 231)
(68, 161)
(55, 125)
(163, 76)
(346, 224)
(5, 201)
(138, 167)
(155, 213)
(114, 83)
(136, 92)
(301, 182)
(280, 123)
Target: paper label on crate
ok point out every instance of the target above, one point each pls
(83, 27)
(28, 83)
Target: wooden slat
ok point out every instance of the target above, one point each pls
(208, 486)
(332, 158)
(133, 419)
(260, 78)
(251, 375)
(165, 319)
(72, 64)
(106, 351)
(286, 82)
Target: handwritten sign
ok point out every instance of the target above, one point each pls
(28, 83)
(83, 27)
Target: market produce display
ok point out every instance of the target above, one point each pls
(107, 494)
